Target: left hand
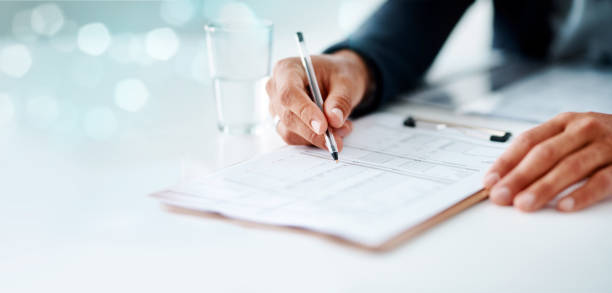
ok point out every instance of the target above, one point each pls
(547, 159)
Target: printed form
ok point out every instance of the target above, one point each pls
(389, 178)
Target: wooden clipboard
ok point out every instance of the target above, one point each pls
(389, 245)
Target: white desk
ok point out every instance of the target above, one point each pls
(75, 217)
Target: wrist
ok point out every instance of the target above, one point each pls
(358, 69)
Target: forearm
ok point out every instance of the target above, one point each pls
(400, 41)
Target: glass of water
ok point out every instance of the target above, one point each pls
(239, 59)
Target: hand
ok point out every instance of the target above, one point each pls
(545, 160)
(342, 77)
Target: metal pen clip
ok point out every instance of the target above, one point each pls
(481, 132)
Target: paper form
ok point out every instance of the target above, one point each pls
(550, 92)
(389, 178)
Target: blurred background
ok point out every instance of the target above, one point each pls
(105, 102)
(92, 72)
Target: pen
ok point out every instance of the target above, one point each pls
(330, 141)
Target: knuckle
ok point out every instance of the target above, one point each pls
(589, 124)
(518, 178)
(544, 152)
(287, 118)
(287, 65)
(304, 112)
(343, 101)
(286, 96)
(565, 116)
(525, 140)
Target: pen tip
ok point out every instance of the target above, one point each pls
(336, 161)
(335, 156)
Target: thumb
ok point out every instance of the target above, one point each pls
(339, 103)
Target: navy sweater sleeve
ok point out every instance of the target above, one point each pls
(400, 41)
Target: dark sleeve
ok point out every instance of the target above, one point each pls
(400, 41)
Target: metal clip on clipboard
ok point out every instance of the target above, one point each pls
(482, 132)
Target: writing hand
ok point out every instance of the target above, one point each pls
(342, 77)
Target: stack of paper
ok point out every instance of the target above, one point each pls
(389, 178)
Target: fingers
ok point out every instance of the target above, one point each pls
(597, 188)
(287, 89)
(569, 171)
(302, 122)
(293, 124)
(290, 137)
(535, 163)
(299, 103)
(293, 131)
(342, 98)
(521, 146)
(293, 138)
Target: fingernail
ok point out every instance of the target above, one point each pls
(567, 204)
(338, 114)
(501, 194)
(491, 179)
(524, 201)
(316, 126)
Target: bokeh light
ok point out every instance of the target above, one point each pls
(100, 123)
(42, 111)
(177, 12)
(47, 19)
(131, 94)
(22, 27)
(93, 38)
(15, 60)
(7, 109)
(162, 43)
(237, 11)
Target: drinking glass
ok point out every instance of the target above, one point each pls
(239, 59)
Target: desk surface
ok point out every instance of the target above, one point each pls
(76, 217)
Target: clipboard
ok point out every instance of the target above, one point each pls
(387, 246)
(181, 200)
